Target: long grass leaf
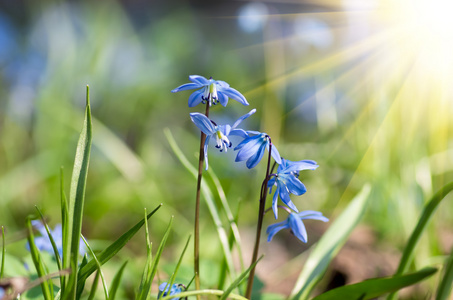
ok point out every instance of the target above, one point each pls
(76, 201)
(238, 281)
(202, 292)
(149, 261)
(427, 213)
(329, 245)
(173, 277)
(52, 241)
(64, 226)
(104, 284)
(39, 266)
(111, 250)
(444, 289)
(373, 288)
(116, 282)
(3, 253)
(147, 285)
(94, 286)
(223, 237)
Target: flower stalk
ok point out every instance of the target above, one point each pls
(197, 208)
(261, 212)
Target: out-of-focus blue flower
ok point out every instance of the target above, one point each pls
(252, 149)
(2, 292)
(221, 132)
(287, 182)
(164, 290)
(43, 242)
(294, 222)
(214, 91)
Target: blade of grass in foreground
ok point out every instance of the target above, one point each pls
(104, 284)
(329, 245)
(110, 251)
(73, 229)
(172, 279)
(238, 281)
(149, 261)
(223, 237)
(144, 292)
(202, 292)
(428, 211)
(3, 253)
(376, 287)
(40, 269)
(444, 289)
(116, 282)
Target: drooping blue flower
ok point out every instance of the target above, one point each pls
(164, 290)
(214, 91)
(294, 222)
(43, 242)
(252, 149)
(287, 181)
(220, 132)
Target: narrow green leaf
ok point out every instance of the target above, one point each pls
(427, 213)
(104, 284)
(76, 201)
(329, 245)
(64, 226)
(116, 282)
(39, 266)
(149, 262)
(94, 286)
(444, 289)
(172, 279)
(376, 287)
(238, 281)
(3, 253)
(110, 251)
(202, 292)
(147, 285)
(207, 195)
(52, 241)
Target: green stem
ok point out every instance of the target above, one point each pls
(197, 208)
(259, 226)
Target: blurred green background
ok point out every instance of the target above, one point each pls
(362, 87)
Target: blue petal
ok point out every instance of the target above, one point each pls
(248, 147)
(195, 98)
(313, 215)
(239, 132)
(223, 99)
(187, 86)
(199, 79)
(238, 121)
(294, 185)
(300, 165)
(274, 228)
(298, 227)
(203, 123)
(222, 84)
(256, 158)
(275, 202)
(275, 154)
(284, 195)
(205, 150)
(234, 94)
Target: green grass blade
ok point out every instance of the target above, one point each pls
(76, 202)
(238, 281)
(52, 241)
(3, 253)
(329, 245)
(40, 268)
(116, 282)
(111, 250)
(146, 289)
(64, 226)
(202, 292)
(104, 284)
(94, 286)
(444, 289)
(149, 261)
(172, 279)
(223, 237)
(376, 287)
(427, 213)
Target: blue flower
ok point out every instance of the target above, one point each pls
(164, 288)
(43, 242)
(287, 182)
(252, 149)
(294, 222)
(220, 132)
(214, 91)
(2, 292)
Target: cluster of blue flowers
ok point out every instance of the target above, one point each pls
(166, 290)
(251, 149)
